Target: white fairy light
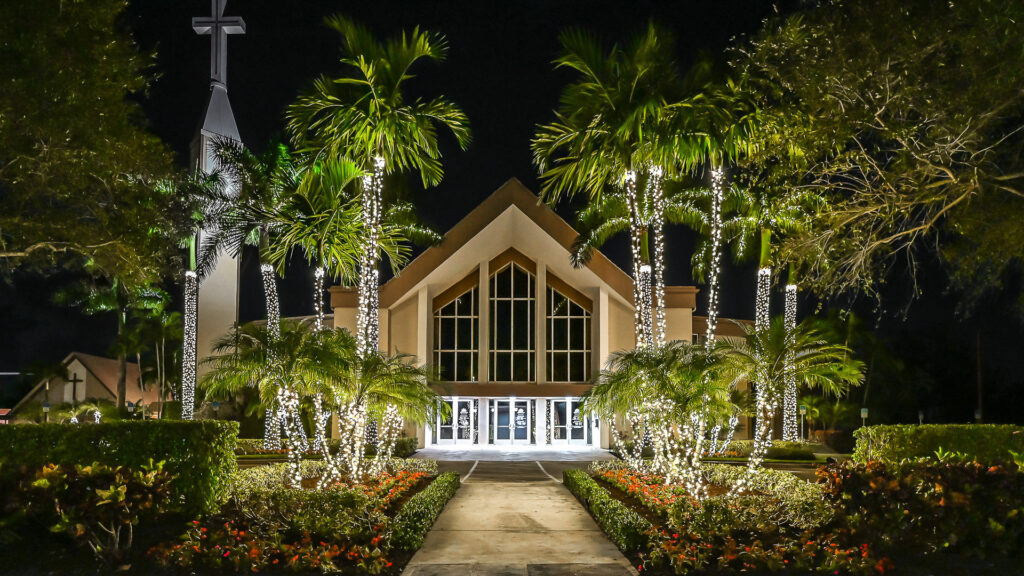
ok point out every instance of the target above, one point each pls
(367, 327)
(656, 193)
(764, 279)
(318, 297)
(715, 257)
(272, 424)
(790, 431)
(74, 420)
(641, 272)
(96, 416)
(188, 354)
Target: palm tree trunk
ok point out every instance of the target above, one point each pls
(272, 420)
(657, 196)
(790, 428)
(367, 336)
(641, 267)
(715, 257)
(188, 345)
(762, 317)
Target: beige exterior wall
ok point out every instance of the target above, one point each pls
(402, 328)
(679, 324)
(540, 240)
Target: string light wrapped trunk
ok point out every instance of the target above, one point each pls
(272, 423)
(790, 431)
(188, 353)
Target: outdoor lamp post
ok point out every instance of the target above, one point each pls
(46, 412)
(131, 409)
(216, 409)
(920, 417)
(863, 417)
(803, 412)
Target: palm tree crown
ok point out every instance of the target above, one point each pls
(363, 114)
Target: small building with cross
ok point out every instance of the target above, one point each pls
(83, 377)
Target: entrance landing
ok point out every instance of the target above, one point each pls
(512, 454)
(513, 518)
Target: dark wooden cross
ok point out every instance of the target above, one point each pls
(218, 26)
(75, 380)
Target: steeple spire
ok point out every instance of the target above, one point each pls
(218, 26)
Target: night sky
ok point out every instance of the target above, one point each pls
(499, 70)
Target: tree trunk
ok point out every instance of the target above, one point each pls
(643, 328)
(657, 198)
(272, 417)
(715, 257)
(367, 327)
(188, 346)
(122, 364)
(790, 426)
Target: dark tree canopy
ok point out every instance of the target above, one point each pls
(75, 157)
(910, 117)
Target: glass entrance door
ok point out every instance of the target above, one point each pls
(513, 420)
(458, 426)
(569, 424)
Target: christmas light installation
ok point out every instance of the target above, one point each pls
(188, 353)
(318, 298)
(714, 258)
(272, 422)
(369, 277)
(656, 193)
(641, 272)
(790, 431)
(96, 416)
(761, 320)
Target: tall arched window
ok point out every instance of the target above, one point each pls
(568, 335)
(456, 334)
(513, 325)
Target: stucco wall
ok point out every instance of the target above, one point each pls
(402, 328)
(345, 318)
(678, 324)
(621, 335)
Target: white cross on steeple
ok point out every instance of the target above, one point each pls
(218, 27)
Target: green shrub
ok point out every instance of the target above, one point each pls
(414, 520)
(985, 443)
(199, 455)
(780, 496)
(336, 513)
(427, 466)
(779, 450)
(96, 505)
(405, 447)
(921, 507)
(627, 529)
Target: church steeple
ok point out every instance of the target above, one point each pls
(218, 292)
(218, 119)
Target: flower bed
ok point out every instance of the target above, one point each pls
(859, 519)
(366, 528)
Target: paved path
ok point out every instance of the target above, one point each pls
(514, 518)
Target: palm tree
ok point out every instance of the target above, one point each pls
(608, 137)
(770, 356)
(200, 200)
(363, 115)
(259, 185)
(372, 386)
(322, 217)
(281, 367)
(692, 393)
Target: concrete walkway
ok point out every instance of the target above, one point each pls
(516, 519)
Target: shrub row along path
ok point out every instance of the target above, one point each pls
(514, 518)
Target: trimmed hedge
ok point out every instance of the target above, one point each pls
(417, 516)
(985, 443)
(627, 529)
(404, 447)
(198, 454)
(779, 450)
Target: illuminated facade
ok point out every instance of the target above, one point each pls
(515, 332)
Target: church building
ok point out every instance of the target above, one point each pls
(514, 331)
